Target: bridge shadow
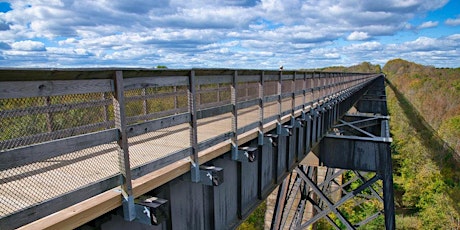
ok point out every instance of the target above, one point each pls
(440, 152)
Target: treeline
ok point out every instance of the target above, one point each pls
(424, 106)
(435, 93)
(364, 67)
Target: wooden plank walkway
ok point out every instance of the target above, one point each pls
(60, 175)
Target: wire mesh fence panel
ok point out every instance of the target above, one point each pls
(49, 162)
(299, 86)
(147, 105)
(309, 97)
(286, 91)
(216, 117)
(299, 100)
(158, 144)
(270, 88)
(27, 121)
(271, 107)
(248, 112)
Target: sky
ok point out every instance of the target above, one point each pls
(249, 34)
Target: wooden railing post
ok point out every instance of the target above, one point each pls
(280, 102)
(293, 97)
(261, 108)
(233, 101)
(192, 100)
(129, 211)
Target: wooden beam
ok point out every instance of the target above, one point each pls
(80, 213)
(21, 89)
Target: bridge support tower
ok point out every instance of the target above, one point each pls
(351, 171)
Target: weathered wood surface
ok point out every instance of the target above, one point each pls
(87, 210)
(63, 174)
(21, 89)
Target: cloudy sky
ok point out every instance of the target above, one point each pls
(261, 34)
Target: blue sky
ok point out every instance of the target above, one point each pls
(261, 34)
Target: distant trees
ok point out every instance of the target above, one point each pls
(434, 92)
(427, 176)
(364, 67)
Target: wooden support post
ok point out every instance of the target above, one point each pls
(280, 101)
(123, 151)
(195, 166)
(261, 108)
(304, 91)
(233, 101)
(293, 98)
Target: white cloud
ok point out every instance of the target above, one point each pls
(428, 24)
(212, 33)
(358, 36)
(28, 45)
(365, 46)
(453, 21)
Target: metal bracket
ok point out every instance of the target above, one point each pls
(245, 153)
(300, 122)
(314, 112)
(211, 175)
(195, 172)
(284, 130)
(151, 210)
(260, 138)
(129, 210)
(287, 130)
(322, 108)
(272, 138)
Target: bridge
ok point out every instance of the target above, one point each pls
(188, 149)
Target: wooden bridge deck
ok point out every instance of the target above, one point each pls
(36, 181)
(60, 175)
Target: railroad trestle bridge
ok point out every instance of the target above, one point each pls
(189, 149)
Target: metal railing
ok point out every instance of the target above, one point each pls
(68, 135)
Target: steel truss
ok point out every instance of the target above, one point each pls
(356, 171)
(307, 200)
